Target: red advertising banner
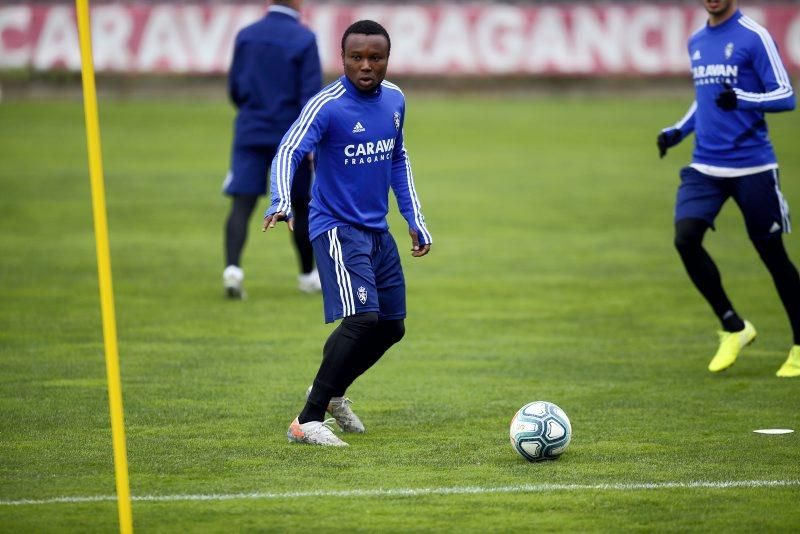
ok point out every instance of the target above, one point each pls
(440, 39)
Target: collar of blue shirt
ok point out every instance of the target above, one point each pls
(285, 10)
(358, 93)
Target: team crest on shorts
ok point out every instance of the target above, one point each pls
(362, 294)
(396, 120)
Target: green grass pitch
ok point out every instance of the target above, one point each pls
(552, 276)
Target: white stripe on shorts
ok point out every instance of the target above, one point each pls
(342, 276)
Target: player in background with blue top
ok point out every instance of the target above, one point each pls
(275, 70)
(355, 128)
(738, 76)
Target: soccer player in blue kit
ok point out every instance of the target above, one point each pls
(274, 72)
(738, 76)
(355, 127)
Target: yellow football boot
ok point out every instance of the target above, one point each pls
(791, 367)
(730, 345)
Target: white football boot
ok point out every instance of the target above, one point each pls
(314, 433)
(346, 419)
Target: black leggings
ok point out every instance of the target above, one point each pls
(236, 227)
(703, 271)
(242, 207)
(353, 347)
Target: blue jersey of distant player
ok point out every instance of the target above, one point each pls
(741, 53)
(357, 140)
(275, 70)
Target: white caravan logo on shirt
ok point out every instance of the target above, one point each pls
(369, 152)
(715, 74)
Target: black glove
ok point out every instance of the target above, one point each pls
(727, 99)
(667, 139)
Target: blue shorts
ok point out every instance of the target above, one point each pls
(249, 174)
(759, 197)
(360, 272)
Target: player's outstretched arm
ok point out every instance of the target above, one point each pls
(417, 250)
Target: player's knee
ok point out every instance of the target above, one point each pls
(683, 242)
(394, 330)
(689, 234)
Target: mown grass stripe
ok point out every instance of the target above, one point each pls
(411, 492)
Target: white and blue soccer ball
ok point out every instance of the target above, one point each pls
(540, 430)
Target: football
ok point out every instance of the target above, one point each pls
(540, 430)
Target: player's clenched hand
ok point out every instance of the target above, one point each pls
(417, 250)
(270, 220)
(667, 139)
(727, 99)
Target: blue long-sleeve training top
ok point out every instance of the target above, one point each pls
(275, 70)
(357, 140)
(741, 53)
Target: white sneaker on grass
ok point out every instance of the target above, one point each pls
(346, 419)
(232, 278)
(314, 433)
(339, 408)
(309, 282)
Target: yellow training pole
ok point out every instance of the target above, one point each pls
(104, 269)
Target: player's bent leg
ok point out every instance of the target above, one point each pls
(382, 338)
(791, 367)
(785, 277)
(766, 215)
(730, 345)
(340, 355)
(390, 283)
(314, 433)
(373, 345)
(392, 331)
(343, 351)
(703, 271)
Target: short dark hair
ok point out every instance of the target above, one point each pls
(366, 27)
